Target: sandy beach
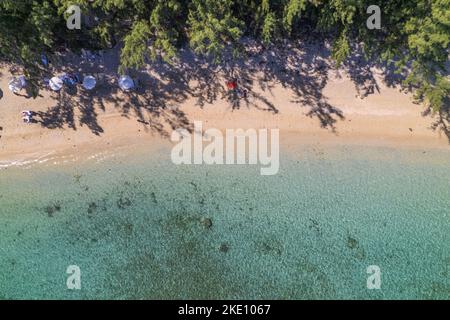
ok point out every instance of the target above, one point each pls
(324, 107)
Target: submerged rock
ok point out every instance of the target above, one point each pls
(92, 207)
(51, 209)
(224, 247)
(206, 222)
(123, 202)
(128, 228)
(352, 243)
(153, 196)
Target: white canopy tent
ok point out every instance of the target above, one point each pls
(126, 83)
(89, 82)
(56, 83)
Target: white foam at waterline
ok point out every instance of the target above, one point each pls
(28, 163)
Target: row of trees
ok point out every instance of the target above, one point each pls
(414, 34)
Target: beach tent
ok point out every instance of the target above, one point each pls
(89, 82)
(126, 83)
(17, 84)
(56, 83)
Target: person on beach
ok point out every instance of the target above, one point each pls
(234, 93)
(232, 85)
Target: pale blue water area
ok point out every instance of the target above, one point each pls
(135, 228)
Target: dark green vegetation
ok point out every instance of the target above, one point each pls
(414, 34)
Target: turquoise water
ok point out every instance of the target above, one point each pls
(137, 228)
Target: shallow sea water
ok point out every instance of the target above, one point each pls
(137, 229)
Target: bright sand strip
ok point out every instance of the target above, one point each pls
(385, 118)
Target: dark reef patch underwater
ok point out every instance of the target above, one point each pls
(144, 228)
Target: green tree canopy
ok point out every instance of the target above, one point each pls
(414, 34)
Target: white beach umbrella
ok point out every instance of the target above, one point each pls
(89, 82)
(56, 84)
(17, 84)
(14, 86)
(126, 83)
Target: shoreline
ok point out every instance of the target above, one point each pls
(291, 144)
(101, 123)
(67, 144)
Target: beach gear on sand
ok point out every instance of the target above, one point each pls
(70, 79)
(89, 82)
(55, 83)
(126, 83)
(27, 116)
(89, 56)
(17, 84)
(44, 60)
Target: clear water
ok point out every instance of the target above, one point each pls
(136, 227)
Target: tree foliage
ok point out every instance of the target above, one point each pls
(415, 34)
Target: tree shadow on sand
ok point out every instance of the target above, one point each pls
(361, 74)
(63, 113)
(142, 106)
(58, 116)
(441, 118)
(302, 68)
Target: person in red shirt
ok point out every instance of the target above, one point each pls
(232, 84)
